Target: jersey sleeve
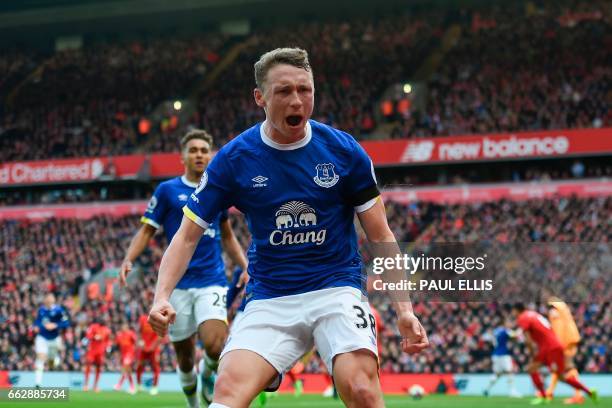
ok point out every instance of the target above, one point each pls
(39, 318)
(361, 190)
(90, 333)
(157, 208)
(523, 322)
(213, 194)
(64, 323)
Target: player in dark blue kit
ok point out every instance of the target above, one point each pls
(501, 359)
(299, 184)
(51, 319)
(199, 297)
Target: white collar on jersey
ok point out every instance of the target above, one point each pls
(285, 146)
(188, 183)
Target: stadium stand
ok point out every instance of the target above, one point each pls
(77, 119)
(552, 72)
(554, 77)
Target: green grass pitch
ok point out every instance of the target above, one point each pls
(175, 400)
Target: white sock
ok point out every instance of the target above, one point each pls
(189, 382)
(217, 405)
(209, 365)
(511, 383)
(39, 365)
(493, 381)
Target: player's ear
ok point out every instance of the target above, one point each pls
(259, 98)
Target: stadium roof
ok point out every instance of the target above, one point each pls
(23, 19)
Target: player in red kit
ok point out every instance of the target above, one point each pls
(149, 349)
(545, 349)
(99, 338)
(126, 341)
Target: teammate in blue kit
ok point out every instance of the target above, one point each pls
(199, 297)
(51, 319)
(501, 359)
(299, 184)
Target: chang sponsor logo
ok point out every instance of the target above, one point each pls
(292, 219)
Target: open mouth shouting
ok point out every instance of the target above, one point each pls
(294, 121)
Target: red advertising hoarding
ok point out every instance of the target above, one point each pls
(525, 145)
(441, 195)
(397, 384)
(492, 192)
(455, 149)
(69, 170)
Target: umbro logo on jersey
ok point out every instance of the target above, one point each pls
(182, 197)
(260, 181)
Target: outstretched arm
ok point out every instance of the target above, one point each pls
(137, 245)
(172, 268)
(374, 224)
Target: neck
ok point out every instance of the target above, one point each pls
(193, 177)
(279, 138)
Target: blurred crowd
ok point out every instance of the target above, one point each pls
(518, 67)
(64, 255)
(461, 332)
(353, 63)
(94, 101)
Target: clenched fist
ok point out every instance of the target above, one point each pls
(414, 338)
(162, 315)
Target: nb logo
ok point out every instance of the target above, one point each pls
(418, 151)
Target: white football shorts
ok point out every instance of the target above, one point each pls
(48, 347)
(502, 364)
(193, 307)
(283, 329)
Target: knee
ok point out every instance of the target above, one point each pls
(214, 345)
(223, 386)
(186, 363)
(213, 351)
(363, 393)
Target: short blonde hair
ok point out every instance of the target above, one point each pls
(296, 57)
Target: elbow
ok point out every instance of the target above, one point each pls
(226, 243)
(191, 242)
(185, 240)
(380, 237)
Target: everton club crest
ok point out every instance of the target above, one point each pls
(326, 177)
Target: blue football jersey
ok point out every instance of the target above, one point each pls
(501, 342)
(206, 267)
(55, 314)
(299, 201)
